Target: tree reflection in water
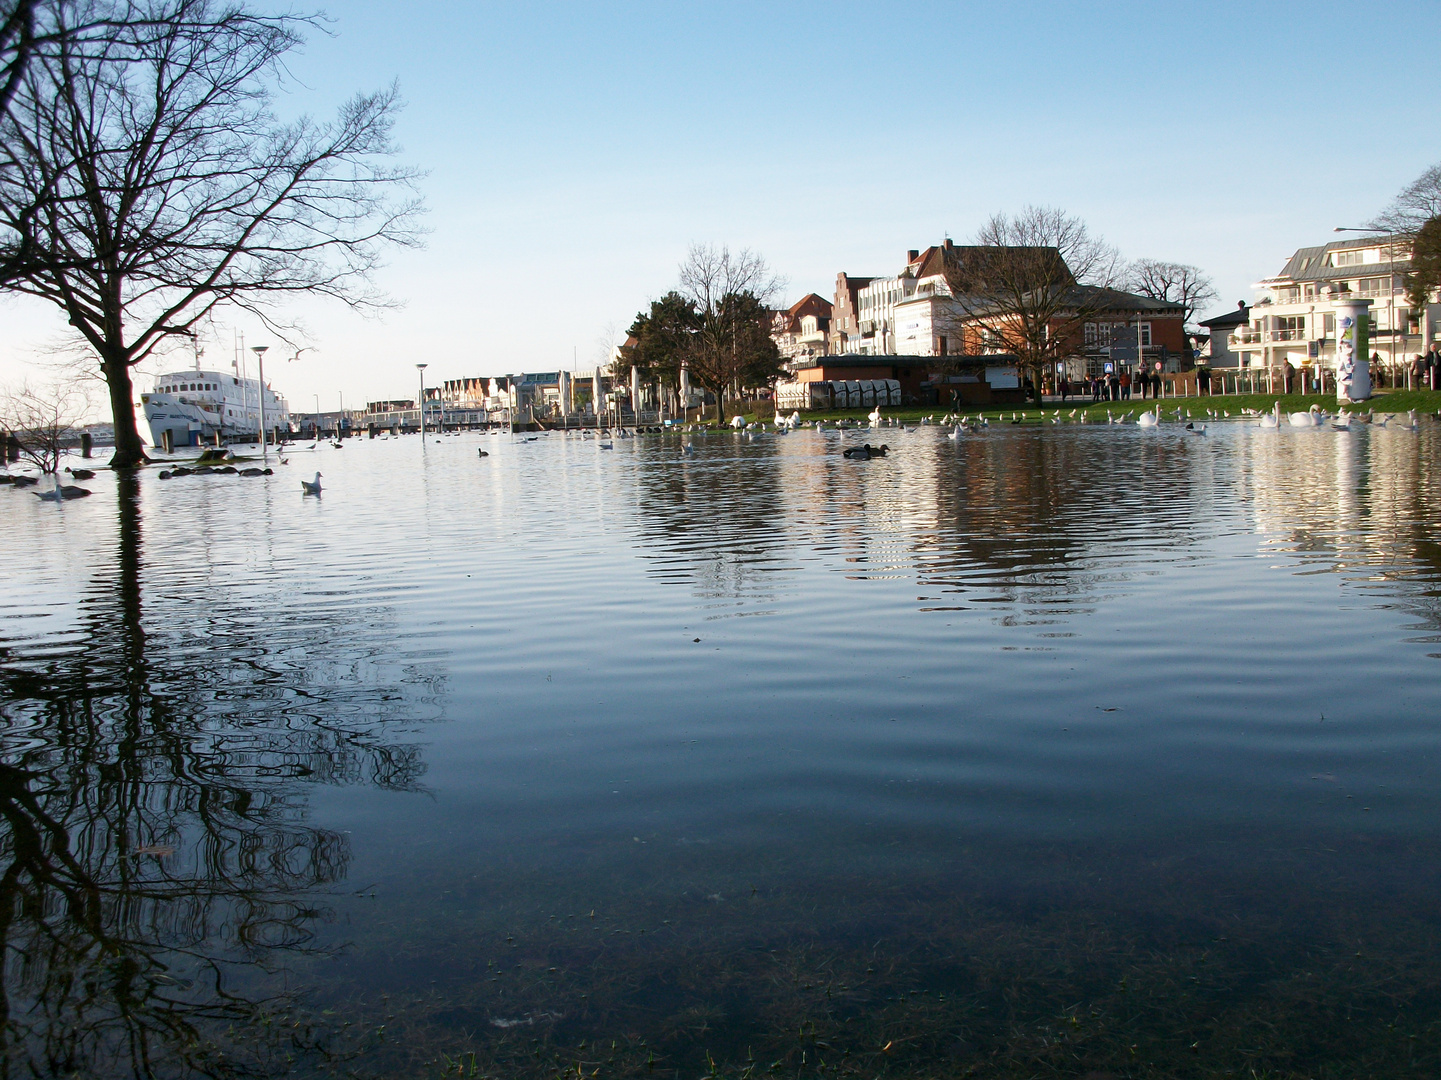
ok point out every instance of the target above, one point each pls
(157, 862)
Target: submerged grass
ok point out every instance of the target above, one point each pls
(899, 983)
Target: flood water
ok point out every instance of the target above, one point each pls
(1075, 751)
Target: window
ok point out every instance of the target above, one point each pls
(1328, 323)
(1372, 286)
(1290, 328)
(1346, 258)
(1145, 335)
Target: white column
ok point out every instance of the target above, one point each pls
(1353, 369)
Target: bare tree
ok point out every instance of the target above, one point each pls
(1417, 203)
(1174, 282)
(44, 420)
(167, 187)
(731, 346)
(1029, 284)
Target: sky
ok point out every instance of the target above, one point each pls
(573, 152)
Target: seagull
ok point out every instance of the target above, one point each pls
(688, 449)
(607, 446)
(311, 487)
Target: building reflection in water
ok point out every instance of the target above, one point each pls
(156, 863)
(1040, 524)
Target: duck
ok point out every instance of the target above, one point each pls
(483, 453)
(24, 481)
(1149, 419)
(81, 474)
(1272, 419)
(62, 492)
(607, 446)
(255, 471)
(688, 449)
(311, 487)
(866, 452)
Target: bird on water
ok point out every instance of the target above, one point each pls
(311, 487)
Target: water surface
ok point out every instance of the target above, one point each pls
(1065, 751)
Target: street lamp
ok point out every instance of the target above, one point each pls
(420, 401)
(1390, 289)
(259, 351)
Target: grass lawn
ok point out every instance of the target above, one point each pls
(1385, 401)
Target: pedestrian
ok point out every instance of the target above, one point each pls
(1125, 386)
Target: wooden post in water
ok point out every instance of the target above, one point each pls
(87, 443)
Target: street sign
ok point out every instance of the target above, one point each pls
(1123, 344)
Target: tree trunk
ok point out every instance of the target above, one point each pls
(129, 450)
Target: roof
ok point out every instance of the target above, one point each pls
(1312, 263)
(862, 360)
(1100, 301)
(811, 302)
(1234, 317)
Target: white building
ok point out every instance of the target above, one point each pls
(1293, 320)
(907, 314)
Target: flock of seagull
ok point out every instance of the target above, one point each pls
(959, 425)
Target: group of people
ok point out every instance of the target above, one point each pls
(1112, 387)
(1427, 369)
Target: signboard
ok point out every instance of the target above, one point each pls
(1110, 367)
(1123, 344)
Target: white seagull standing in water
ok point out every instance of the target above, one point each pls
(311, 487)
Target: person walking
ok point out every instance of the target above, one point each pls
(1125, 386)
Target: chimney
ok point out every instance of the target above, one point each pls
(949, 245)
(1241, 304)
(912, 255)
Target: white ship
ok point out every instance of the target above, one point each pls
(194, 406)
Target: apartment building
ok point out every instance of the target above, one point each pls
(802, 331)
(1293, 320)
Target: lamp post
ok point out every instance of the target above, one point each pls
(259, 351)
(420, 401)
(1390, 289)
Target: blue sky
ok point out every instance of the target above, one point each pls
(574, 151)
